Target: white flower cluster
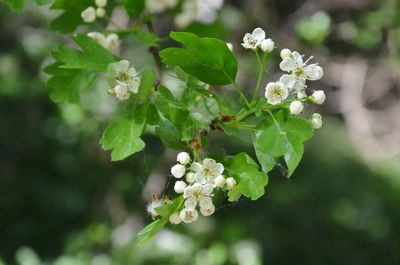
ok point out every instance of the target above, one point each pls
(127, 80)
(201, 179)
(110, 42)
(158, 6)
(89, 14)
(292, 84)
(203, 11)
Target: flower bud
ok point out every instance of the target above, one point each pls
(183, 158)
(296, 107)
(101, 3)
(188, 215)
(316, 121)
(318, 97)
(178, 171)
(267, 45)
(230, 183)
(285, 53)
(89, 15)
(190, 177)
(219, 181)
(180, 186)
(174, 218)
(207, 211)
(100, 12)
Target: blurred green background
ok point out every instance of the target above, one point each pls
(63, 202)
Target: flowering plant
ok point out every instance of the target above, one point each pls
(275, 121)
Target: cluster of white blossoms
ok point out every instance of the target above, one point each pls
(293, 84)
(197, 183)
(203, 11)
(110, 42)
(158, 6)
(89, 14)
(126, 79)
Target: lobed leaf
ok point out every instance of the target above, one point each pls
(207, 59)
(282, 137)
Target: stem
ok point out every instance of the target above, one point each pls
(260, 73)
(275, 121)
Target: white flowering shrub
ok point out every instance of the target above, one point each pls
(275, 118)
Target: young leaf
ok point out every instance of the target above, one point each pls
(146, 86)
(14, 5)
(123, 136)
(283, 136)
(207, 59)
(167, 209)
(151, 229)
(169, 135)
(251, 181)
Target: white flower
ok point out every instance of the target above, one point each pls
(183, 158)
(301, 94)
(158, 6)
(190, 177)
(99, 38)
(122, 73)
(299, 71)
(296, 107)
(203, 11)
(267, 45)
(219, 181)
(188, 215)
(101, 3)
(178, 171)
(112, 42)
(195, 166)
(285, 53)
(207, 211)
(230, 183)
(174, 218)
(89, 15)
(253, 40)
(208, 171)
(151, 207)
(121, 91)
(318, 97)
(180, 186)
(316, 121)
(100, 12)
(230, 46)
(276, 92)
(196, 193)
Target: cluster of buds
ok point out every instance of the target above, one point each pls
(110, 42)
(291, 86)
(90, 14)
(125, 79)
(197, 182)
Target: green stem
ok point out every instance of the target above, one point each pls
(260, 73)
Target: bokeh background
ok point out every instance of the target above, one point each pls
(63, 202)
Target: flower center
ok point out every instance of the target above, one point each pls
(299, 71)
(277, 92)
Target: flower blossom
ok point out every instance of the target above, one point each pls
(253, 41)
(126, 79)
(276, 92)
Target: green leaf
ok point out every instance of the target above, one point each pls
(167, 209)
(169, 135)
(92, 57)
(207, 59)
(153, 118)
(74, 70)
(151, 229)
(14, 5)
(67, 83)
(134, 7)
(70, 19)
(147, 38)
(146, 86)
(251, 181)
(43, 2)
(123, 136)
(283, 137)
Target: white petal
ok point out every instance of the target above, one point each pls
(288, 64)
(288, 80)
(190, 203)
(259, 35)
(314, 72)
(219, 168)
(298, 59)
